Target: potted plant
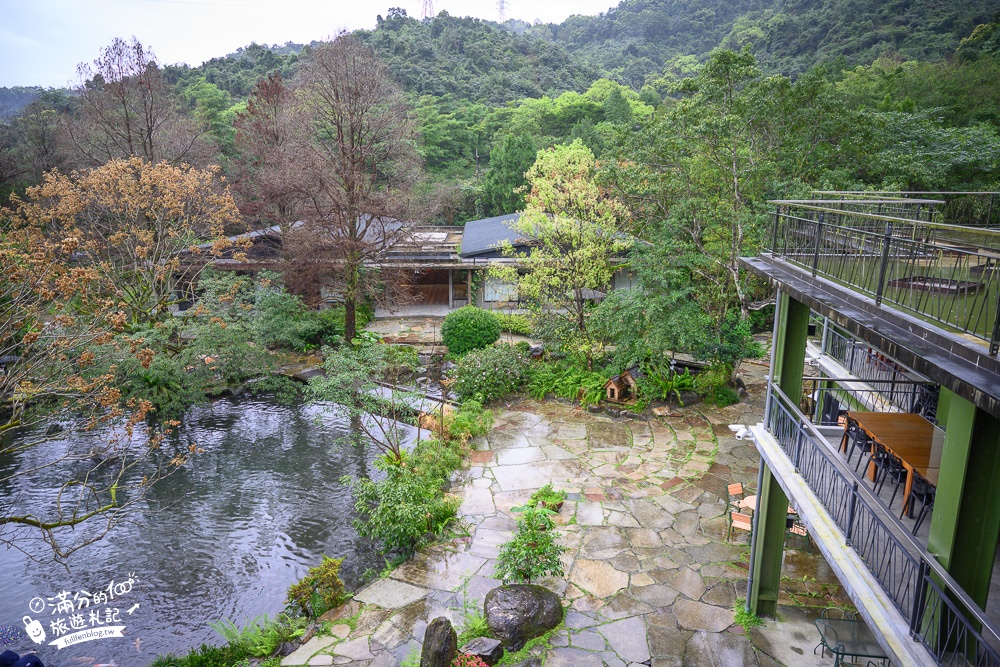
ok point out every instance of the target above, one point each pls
(548, 498)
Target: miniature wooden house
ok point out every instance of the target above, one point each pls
(621, 388)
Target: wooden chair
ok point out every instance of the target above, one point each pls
(736, 494)
(739, 521)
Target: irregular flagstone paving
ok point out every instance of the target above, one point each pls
(650, 578)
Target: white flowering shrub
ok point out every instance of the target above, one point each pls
(491, 373)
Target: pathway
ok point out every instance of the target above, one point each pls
(650, 578)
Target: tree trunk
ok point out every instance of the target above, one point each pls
(350, 320)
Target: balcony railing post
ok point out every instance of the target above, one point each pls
(819, 241)
(886, 243)
(774, 233)
(798, 445)
(851, 509)
(995, 338)
(919, 599)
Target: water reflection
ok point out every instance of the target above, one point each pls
(223, 537)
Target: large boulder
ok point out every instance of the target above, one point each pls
(440, 644)
(519, 612)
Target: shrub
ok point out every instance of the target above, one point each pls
(713, 384)
(722, 396)
(470, 420)
(469, 328)
(321, 589)
(490, 374)
(533, 552)
(466, 660)
(435, 460)
(205, 656)
(403, 510)
(282, 320)
(663, 382)
(515, 324)
(261, 636)
(567, 380)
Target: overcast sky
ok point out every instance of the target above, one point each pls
(42, 41)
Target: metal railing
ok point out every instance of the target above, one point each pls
(939, 613)
(897, 261)
(969, 209)
(875, 380)
(825, 399)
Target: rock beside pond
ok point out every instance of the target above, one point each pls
(489, 650)
(440, 644)
(519, 612)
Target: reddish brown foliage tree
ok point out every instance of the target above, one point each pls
(359, 165)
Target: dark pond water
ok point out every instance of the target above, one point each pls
(222, 538)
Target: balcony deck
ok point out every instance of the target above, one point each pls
(900, 590)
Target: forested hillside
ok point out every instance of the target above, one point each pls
(473, 59)
(12, 100)
(640, 37)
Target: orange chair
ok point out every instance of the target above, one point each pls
(739, 522)
(736, 494)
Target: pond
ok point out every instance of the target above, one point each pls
(224, 537)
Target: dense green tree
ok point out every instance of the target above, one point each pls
(504, 183)
(575, 229)
(616, 109)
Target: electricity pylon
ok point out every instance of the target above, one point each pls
(427, 9)
(502, 10)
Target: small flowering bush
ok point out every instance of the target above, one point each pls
(490, 374)
(466, 660)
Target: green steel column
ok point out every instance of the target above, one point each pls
(765, 559)
(965, 523)
(788, 362)
(791, 356)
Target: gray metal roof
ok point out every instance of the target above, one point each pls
(483, 237)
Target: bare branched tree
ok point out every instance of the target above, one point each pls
(267, 183)
(126, 109)
(359, 163)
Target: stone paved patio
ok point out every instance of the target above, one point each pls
(650, 578)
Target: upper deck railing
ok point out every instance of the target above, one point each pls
(941, 273)
(969, 209)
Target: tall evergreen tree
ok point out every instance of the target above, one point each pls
(508, 162)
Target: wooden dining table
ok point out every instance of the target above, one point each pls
(909, 436)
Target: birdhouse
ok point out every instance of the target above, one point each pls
(622, 387)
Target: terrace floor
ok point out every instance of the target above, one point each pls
(650, 578)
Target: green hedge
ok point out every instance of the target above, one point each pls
(469, 328)
(515, 324)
